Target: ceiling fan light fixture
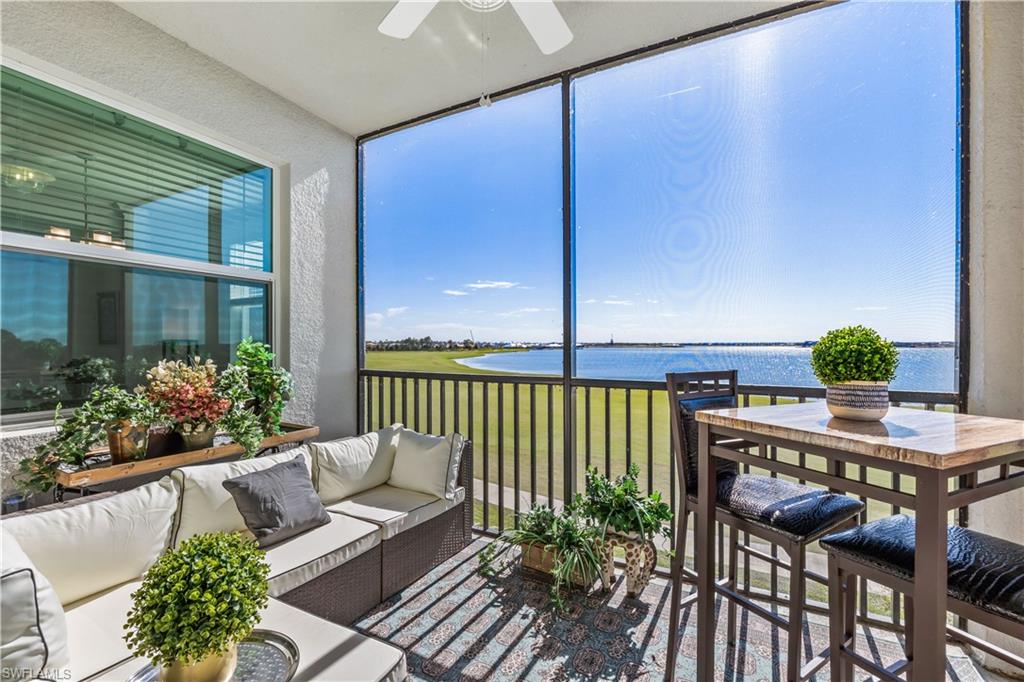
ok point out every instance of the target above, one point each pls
(483, 5)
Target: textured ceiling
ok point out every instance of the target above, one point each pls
(329, 58)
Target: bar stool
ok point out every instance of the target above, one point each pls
(985, 584)
(775, 510)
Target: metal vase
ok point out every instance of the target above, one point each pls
(197, 440)
(127, 441)
(859, 400)
(213, 668)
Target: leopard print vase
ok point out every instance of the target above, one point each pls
(641, 558)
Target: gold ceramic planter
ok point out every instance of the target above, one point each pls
(127, 441)
(214, 668)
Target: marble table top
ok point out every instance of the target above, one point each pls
(937, 440)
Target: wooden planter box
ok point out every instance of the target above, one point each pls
(540, 560)
(98, 468)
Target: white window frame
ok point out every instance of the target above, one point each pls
(276, 280)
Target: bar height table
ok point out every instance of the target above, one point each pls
(929, 447)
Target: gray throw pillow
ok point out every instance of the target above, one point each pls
(279, 502)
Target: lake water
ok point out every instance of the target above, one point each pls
(920, 369)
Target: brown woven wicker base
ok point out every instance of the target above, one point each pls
(342, 594)
(409, 556)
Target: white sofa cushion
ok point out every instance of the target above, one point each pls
(96, 631)
(395, 509)
(206, 506)
(326, 651)
(427, 464)
(33, 631)
(87, 548)
(304, 557)
(348, 466)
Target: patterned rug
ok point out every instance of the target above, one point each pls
(455, 624)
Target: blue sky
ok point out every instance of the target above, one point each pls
(767, 185)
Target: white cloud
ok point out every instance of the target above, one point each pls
(492, 284)
(374, 319)
(523, 311)
(616, 301)
(591, 300)
(652, 300)
(871, 308)
(393, 312)
(454, 292)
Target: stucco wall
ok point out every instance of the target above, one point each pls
(107, 45)
(997, 245)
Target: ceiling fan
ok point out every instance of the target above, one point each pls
(541, 18)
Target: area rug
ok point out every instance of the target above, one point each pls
(455, 624)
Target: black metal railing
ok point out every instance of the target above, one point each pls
(517, 425)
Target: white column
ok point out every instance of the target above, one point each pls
(997, 249)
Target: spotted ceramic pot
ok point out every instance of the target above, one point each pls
(865, 401)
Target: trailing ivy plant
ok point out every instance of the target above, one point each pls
(854, 353)
(575, 545)
(82, 430)
(271, 386)
(198, 600)
(240, 421)
(621, 506)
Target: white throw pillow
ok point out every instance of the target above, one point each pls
(348, 466)
(427, 464)
(34, 633)
(91, 547)
(206, 505)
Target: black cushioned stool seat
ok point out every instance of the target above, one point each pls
(984, 571)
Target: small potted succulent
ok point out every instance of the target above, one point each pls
(560, 544)
(856, 365)
(186, 394)
(628, 519)
(196, 604)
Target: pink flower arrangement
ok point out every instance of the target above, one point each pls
(186, 393)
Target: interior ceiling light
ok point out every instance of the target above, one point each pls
(24, 179)
(541, 18)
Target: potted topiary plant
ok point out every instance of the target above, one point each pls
(561, 545)
(196, 604)
(856, 365)
(627, 519)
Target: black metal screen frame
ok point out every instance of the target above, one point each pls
(565, 81)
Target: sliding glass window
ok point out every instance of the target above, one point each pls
(123, 243)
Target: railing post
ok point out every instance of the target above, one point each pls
(568, 300)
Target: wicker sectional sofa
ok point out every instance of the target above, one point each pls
(94, 551)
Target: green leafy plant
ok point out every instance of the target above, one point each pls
(240, 421)
(854, 353)
(271, 386)
(575, 545)
(87, 370)
(198, 600)
(619, 505)
(82, 430)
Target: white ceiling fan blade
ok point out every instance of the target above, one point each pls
(405, 17)
(545, 24)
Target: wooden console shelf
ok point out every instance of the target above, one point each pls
(99, 470)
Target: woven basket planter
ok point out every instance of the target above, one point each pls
(859, 400)
(536, 558)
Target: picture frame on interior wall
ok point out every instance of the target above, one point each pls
(276, 281)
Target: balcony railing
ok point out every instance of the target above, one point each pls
(517, 424)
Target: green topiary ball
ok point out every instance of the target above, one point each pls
(198, 600)
(855, 353)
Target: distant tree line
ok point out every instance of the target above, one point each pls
(427, 343)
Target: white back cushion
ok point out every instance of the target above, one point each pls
(351, 465)
(94, 546)
(427, 464)
(206, 506)
(33, 631)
